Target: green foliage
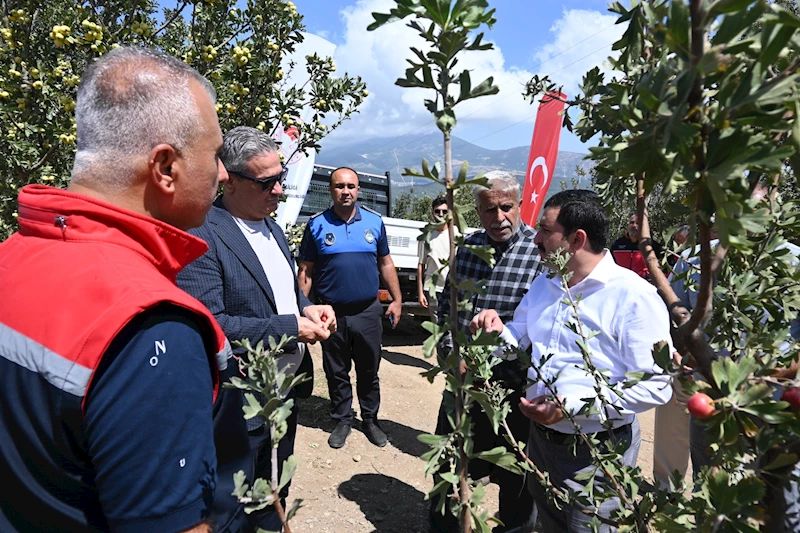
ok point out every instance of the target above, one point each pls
(294, 236)
(412, 207)
(267, 387)
(702, 113)
(449, 29)
(46, 46)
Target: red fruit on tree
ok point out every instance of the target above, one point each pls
(701, 405)
(792, 395)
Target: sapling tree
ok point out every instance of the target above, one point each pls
(449, 29)
(267, 387)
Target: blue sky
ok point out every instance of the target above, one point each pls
(563, 39)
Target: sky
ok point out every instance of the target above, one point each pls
(563, 39)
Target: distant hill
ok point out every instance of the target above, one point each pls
(377, 156)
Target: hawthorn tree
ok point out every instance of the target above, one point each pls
(244, 52)
(703, 106)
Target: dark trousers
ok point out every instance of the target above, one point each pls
(261, 445)
(357, 340)
(517, 511)
(564, 467)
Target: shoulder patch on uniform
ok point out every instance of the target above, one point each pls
(368, 210)
(315, 215)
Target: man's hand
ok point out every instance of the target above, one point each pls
(321, 315)
(311, 332)
(488, 321)
(393, 312)
(541, 410)
(423, 301)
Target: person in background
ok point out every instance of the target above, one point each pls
(108, 371)
(625, 250)
(516, 266)
(343, 253)
(432, 255)
(628, 318)
(680, 237)
(247, 280)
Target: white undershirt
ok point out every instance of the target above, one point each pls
(280, 277)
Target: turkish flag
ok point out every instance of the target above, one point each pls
(543, 155)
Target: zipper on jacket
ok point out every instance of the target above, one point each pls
(46, 217)
(61, 222)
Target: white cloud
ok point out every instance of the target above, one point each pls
(390, 111)
(572, 52)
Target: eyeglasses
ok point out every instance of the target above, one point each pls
(266, 183)
(440, 212)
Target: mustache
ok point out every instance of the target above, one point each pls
(541, 249)
(502, 225)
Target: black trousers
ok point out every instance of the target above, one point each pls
(261, 445)
(357, 341)
(517, 509)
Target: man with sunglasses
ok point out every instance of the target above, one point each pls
(432, 255)
(247, 279)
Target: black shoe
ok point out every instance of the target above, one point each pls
(374, 433)
(339, 435)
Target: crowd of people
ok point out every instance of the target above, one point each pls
(124, 293)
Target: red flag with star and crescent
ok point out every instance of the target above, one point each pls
(543, 156)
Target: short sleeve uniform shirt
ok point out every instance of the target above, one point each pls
(345, 255)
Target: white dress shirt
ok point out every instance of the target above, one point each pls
(630, 318)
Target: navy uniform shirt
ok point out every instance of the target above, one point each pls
(345, 255)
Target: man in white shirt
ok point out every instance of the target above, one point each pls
(629, 318)
(432, 255)
(247, 279)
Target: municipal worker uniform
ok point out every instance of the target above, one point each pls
(345, 276)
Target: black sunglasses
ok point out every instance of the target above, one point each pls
(266, 183)
(440, 212)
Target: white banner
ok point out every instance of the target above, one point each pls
(301, 166)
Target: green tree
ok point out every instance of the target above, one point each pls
(703, 109)
(412, 207)
(245, 53)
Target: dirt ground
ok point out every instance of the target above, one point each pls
(362, 488)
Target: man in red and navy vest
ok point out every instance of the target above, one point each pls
(625, 250)
(108, 371)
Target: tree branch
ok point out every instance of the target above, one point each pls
(657, 276)
(36, 166)
(172, 19)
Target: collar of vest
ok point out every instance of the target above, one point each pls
(51, 213)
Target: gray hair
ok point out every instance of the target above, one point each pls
(498, 181)
(682, 230)
(242, 144)
(129, 101)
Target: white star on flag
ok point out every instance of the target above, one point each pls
(534, 197)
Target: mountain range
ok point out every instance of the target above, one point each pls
(377, 156)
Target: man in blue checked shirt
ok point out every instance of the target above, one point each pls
(343, 252)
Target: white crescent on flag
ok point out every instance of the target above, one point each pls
(539, 162)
